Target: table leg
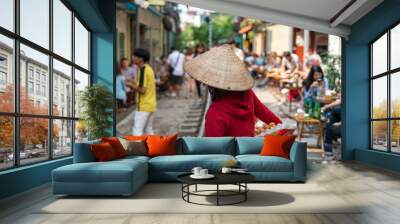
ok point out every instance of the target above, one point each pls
(195, 188)
(217, 194)
(301, 130)
(188, 190)
(321, 136)
(245, 192)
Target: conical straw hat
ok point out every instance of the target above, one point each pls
(220, 68)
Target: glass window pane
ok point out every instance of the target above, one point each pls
(35, 21)
(81, 81)
(6, 74)
(62, 29)
(81, 45)
(7, 14)
(379, 98)
(6, 142)
(379, 55)
(81, 131)
(395, 136)
(34, 72)
(33, 140)
(395, 94)
(62, 138)
(62, 89)
(395, 47)
(379, 135)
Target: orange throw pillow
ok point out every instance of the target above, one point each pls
(277, 145)
(103, 152)
(161, 145)
(136, 138)
(116, 145)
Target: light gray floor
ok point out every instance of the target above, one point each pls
(378, 189)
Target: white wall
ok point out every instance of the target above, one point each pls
(280, 38)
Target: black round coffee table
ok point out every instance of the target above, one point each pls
(238, 179)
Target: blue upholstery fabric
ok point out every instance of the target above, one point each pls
(126, 175)
(184, 163)
(257, 163)
(298, 155)
(249, 145)
(206, 145)
(83, 152)
(119, 177)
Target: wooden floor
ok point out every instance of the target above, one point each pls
(378, 189)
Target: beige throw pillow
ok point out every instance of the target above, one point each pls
(137, 148)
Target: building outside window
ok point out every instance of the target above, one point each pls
(385, 95)
(30, 87)
(56, 127)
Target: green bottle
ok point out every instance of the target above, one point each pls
(317, 112)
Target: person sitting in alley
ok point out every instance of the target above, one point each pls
(145, 87)
(234, 106)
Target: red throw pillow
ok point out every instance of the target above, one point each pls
(116, 145)
(277, 145)
(161, 145)
(103, 152)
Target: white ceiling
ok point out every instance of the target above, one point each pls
(314, 15)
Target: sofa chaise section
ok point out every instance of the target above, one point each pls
(87, 177)
(271, 168)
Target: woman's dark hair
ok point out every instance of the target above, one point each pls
(216, 93)
(118, 69)
(310, 78)
(189, 51)
(142, 53)
(197, 47)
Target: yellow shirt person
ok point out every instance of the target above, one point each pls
(145, 88)
(147, 101)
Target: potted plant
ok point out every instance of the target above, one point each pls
(96, 103)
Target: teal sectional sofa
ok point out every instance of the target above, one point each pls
(125, 176)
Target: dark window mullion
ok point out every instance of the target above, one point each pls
(73, 82)
(371, 137)
(16, 69)
(389, 101)
(50, 81)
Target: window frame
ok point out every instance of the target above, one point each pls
(16, 115)
(388, 74)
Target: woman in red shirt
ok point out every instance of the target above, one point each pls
(234, 105)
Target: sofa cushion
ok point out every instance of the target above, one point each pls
(137, 148)
(185, 163)
(112, 171)
(249, 145)
(206, 145)
(277, 145)
(257, 163)
(83, 152)
(161, 145)
(116, 145)
(103, 152)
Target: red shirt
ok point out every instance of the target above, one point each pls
(234, 114)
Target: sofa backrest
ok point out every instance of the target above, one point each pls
(249, 145)
(83, 152)
(206, 145)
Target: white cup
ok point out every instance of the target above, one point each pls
(196, 171)
(226, 170)
(203, 172)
